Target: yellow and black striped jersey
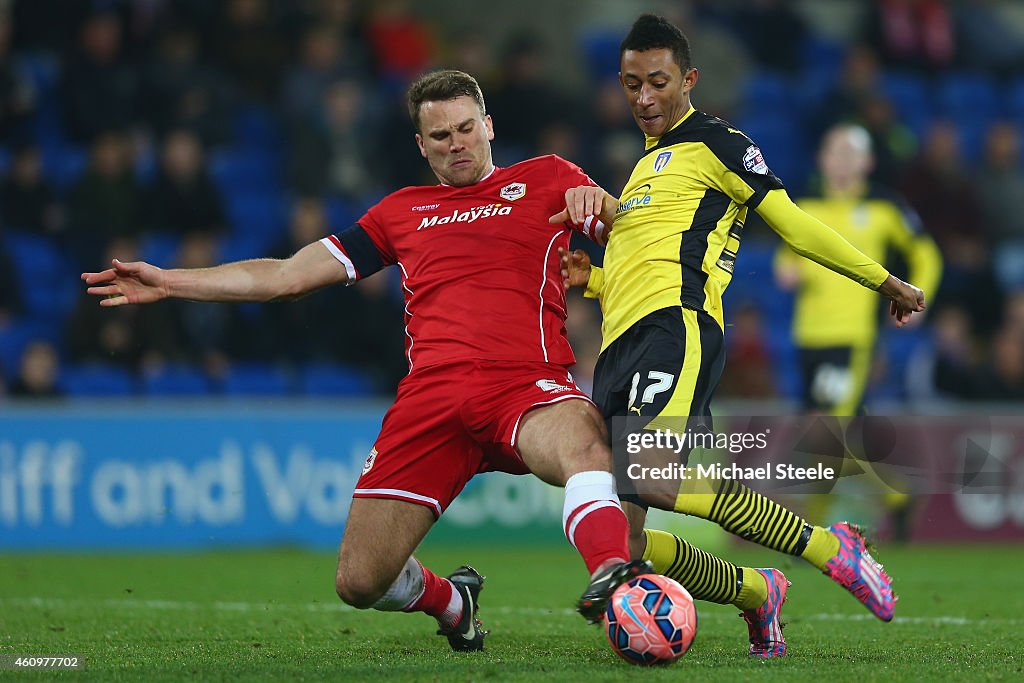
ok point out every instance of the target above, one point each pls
(679, 222)
(831, 310)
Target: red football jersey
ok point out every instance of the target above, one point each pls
(480, 268)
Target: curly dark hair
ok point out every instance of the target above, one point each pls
(651, 32)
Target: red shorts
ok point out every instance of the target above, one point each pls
(451, 421)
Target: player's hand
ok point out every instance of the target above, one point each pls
(575, 267)
(904, 299)
(127, 283)
(580, 203)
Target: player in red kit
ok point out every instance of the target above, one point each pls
(488, 387)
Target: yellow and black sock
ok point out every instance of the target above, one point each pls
(752, 516)
(704, 575)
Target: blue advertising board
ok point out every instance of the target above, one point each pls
(129, 476)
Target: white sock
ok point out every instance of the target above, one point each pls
(406, 589)
(594, 488)
(453, 612)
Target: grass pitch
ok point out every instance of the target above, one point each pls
(272, 615)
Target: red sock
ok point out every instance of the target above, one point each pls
(600, 532)
(439, 599)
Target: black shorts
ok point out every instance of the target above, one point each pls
(834, 378)
(660, 373)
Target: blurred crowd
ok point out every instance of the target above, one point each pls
(189, 132)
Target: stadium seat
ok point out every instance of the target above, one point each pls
(783, 145)
(256, 379)
(147, 164)
(755, 258)
(754, 281)
(39, 262)
(1014, 99)
(47, 127)
(600, 48)
(243, 247)
(260, 216)
(823, 55)
(245, 171)
(18, 335)
(340, 213)
(972, 101)
(175, 380)
(160, 249)
(327, 379)
(63, 164)
(785, 360)
(768, 94)
(257, 128)
(910, 97)
(968, 94)
(822, 66)
(96, 379)
(1013, 103)
(42, 70)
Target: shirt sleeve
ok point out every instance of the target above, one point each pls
(812, 239)
(595, 284)
(922, 255)
(744, 174)
(363, 248)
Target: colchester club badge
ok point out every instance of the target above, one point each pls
(513, 191)
(661, 161)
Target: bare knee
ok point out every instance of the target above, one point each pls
(590, 451)
(593, 454)
(564, 439)
(358, 589)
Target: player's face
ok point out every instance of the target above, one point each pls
(845, 156)
(657, 89)
(455, 139)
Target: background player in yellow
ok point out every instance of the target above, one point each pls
(835, 321)
(676, 231)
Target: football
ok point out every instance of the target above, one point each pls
(651, 620)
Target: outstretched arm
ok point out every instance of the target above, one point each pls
(812, 239)
(308, 270)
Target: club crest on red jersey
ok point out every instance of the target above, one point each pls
(370, 459)
(513, 191)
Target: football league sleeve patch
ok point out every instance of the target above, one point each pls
(748, 179)
(356, 251)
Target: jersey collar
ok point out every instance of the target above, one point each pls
(858, 191)
(650, 142)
